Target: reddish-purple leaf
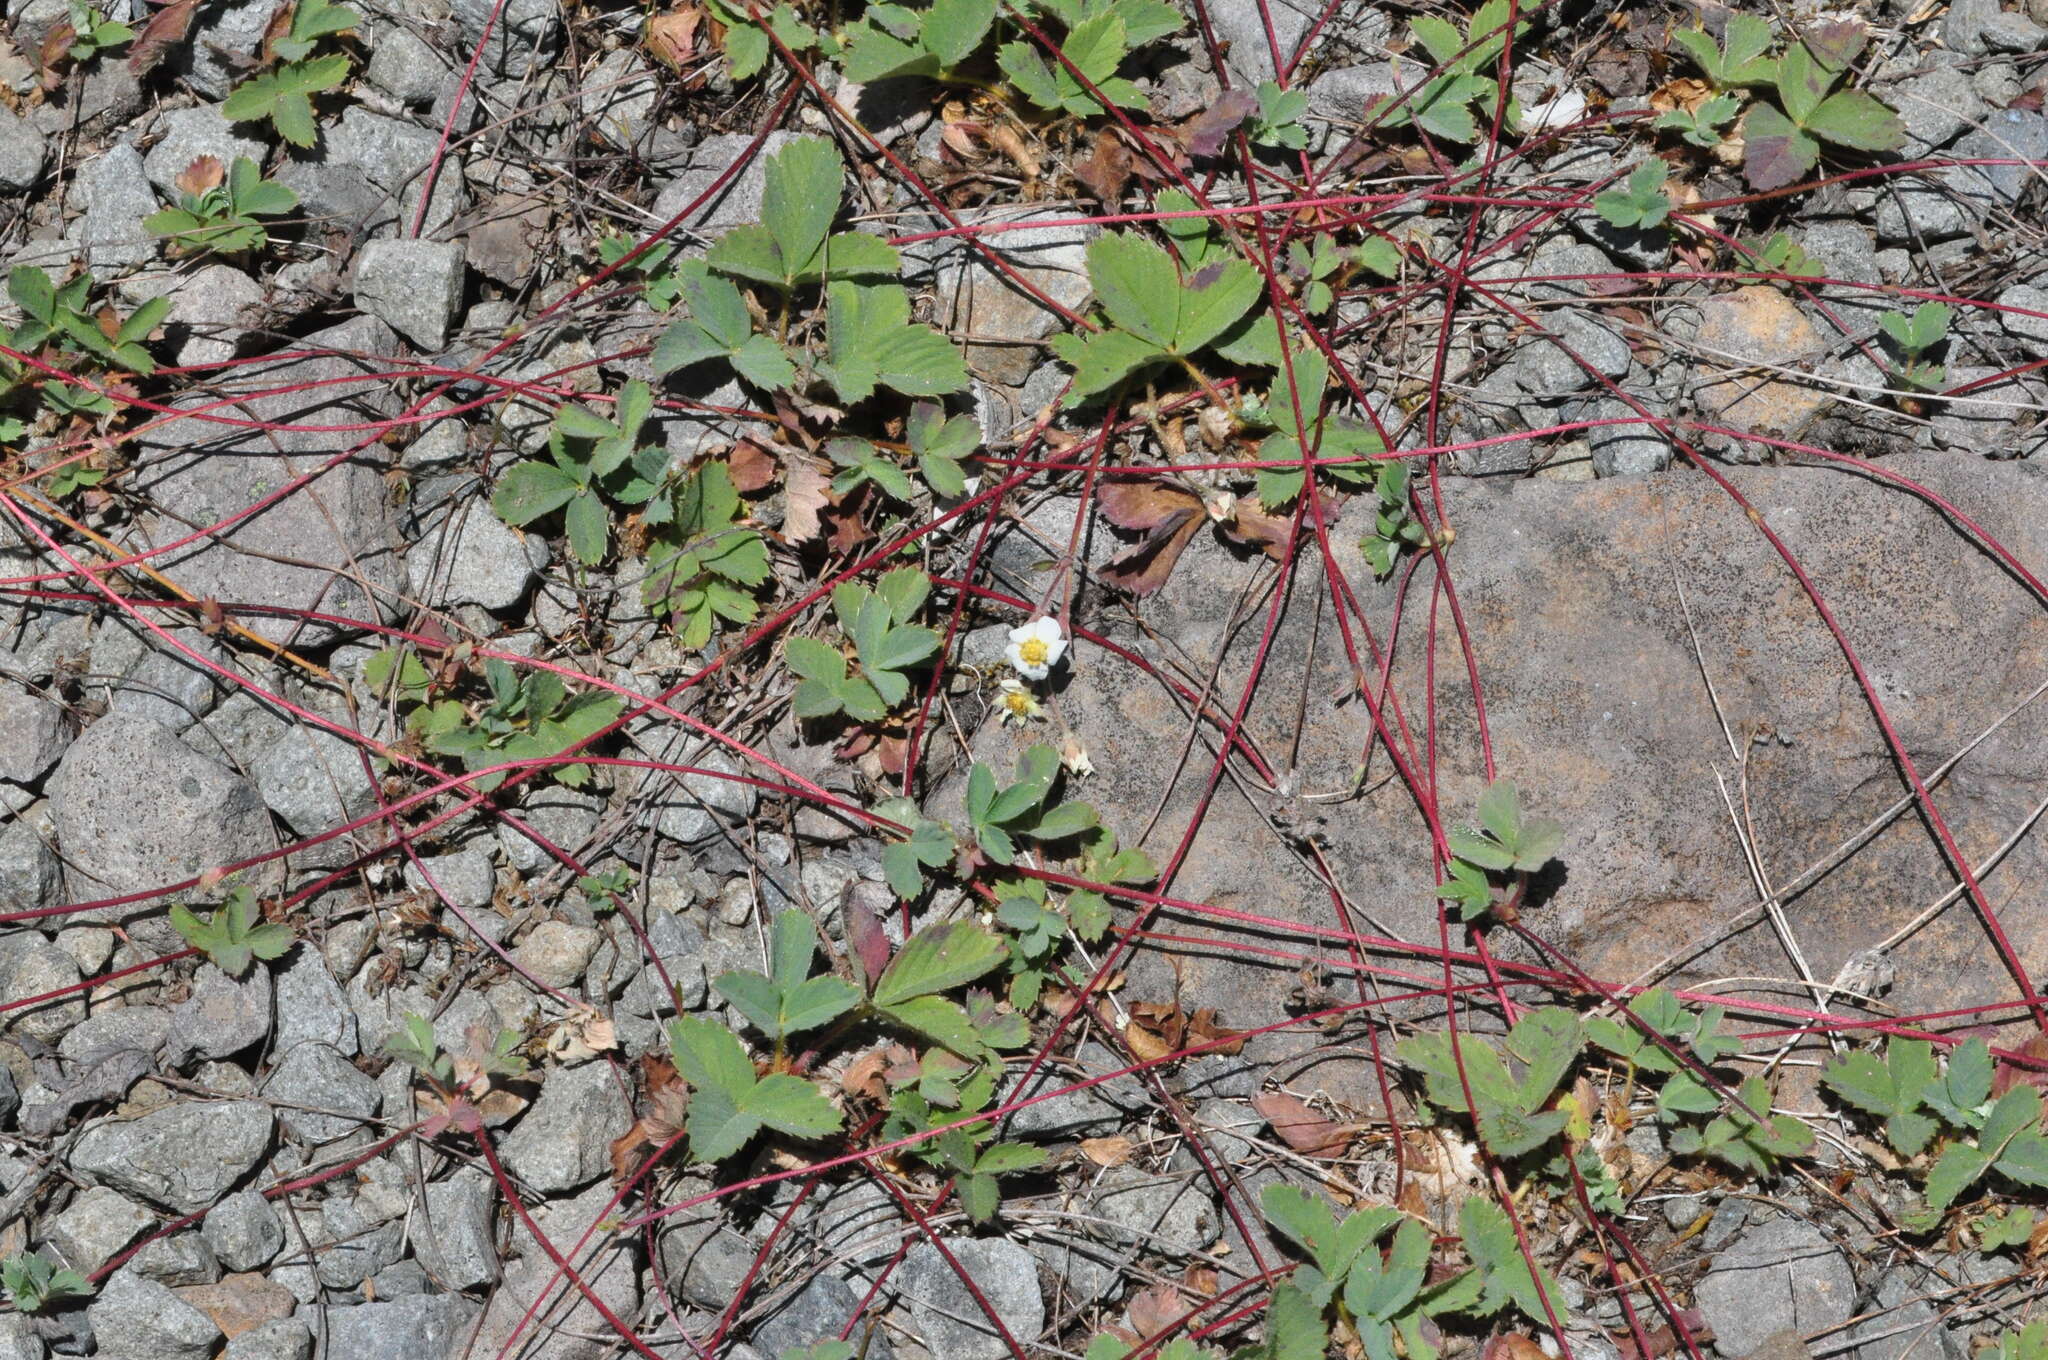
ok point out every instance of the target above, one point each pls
(1203, 134)
(864, 937)
(1774, 152)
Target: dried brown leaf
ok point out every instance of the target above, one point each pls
(1300, 1127)
(1203, 1029)
(751, 466)
(1155, 1308)
(1113, 1151)
(1106, 169)
(1203, 134)
(671, 38)
(204, 173)
(807, 490)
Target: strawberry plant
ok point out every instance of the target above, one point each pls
(997, 815)
(1157, 314)
(794, 244)
(703, 566)
(217, 214)
(1783, 255)
(529, 717)
(284, 93)
(871, 342)
(938, 959)
(894, 40)
(730, 1102)
(886, 645)
(1393, 527)
(1750, 1142)
(58, 316)
(1911, 339)
(746, 44)
(719, 327)
(1703, 125)
(234, 936)
(1100, 36)
(91, 33)
(591, 460)
(34, 1282)
(659, 272)
(933, 1097)
(1443, 105)
(1642, 205)
(1510, 1086)
(486, 1055)
(787, 999)
(1782, 139)
(1340, 448)
(1504, 842)
(1679, 1092)
(2009, 1142)
(1279, 121)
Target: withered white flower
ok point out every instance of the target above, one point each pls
(1036, 648)
(1016, 704)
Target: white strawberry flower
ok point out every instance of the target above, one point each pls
(1036, 648)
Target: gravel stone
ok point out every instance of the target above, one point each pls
(190, 134)
(117, 197)
(1779, 1275)
(1936, 108)
(702, 1255)
(951, 1321)
(1627, 450)
(134, 1316)
(1544, 367)
(738, 203)
(418, 1327)
(1169, 1215)
(31, 875)
(466, 876)
(405, 66)
(476, 558)
(415, 286)
(32, 735)
(18, 1339)
(454, 1237)
(99, 1223)
(686, 814)
(319, 1077)
(564, 816)
(135, 807)
(23, 149)
(223, 33)
(315, 781)
(182, 1259)
(394, 156)
(611, 1269)
(563, 1142)
(209, 309)
(354, 1241)
(528, 34)
(183, 1156)
(223, 1016)
(2031, 331)
(557, 952)
(618, 98)
(244, 1231)
(2012, 134)
(39, 969)
(2006, 31)
(278, 1339)
(311, 1008)
(816, 1313)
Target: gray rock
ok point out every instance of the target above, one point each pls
(687, 814)
(736, 204)
(160, 682)
(1630, 449)
(212, 310)
(405, 66)
(817, 1312)
(277, 1339)
(680, 946)
(703, 1257)
(1935, 108)
(528, 33)
(1547, 367)
(354, 1242)
(418, 1327)
(23, 149)
(134, 1316)
(96, 1226)
(223, 33)
(178, 1260)
(2007, 31)
(1962, 27)
(399, 1279)
(10, 1098)
(1059, 1113)
(1243, 28)
(557, 952)
(465, 876)
(395, 156)
(191, 133)
(2011, 134)
(564, 816)
(311, 1008)
(141, 1029)
(182, 1156)
(618, 98)
(2030, 331)
(315, 1076)
(414, 285)
(379, 1017)
(475, 558)
(574, 1329)
(1342, 94)
(244, 1231)
(315, 781)
(1781, 1275)
(562, 1143)
(117, 197)
(1982, 420)
(973, 296)
(953, 1323)
(1169, 1215)
(332, 534)
(18, 1338)
(37, 971)
(1909, 212)
(453, 1234)
(223, 1016)
(32, 735)
(31, 875)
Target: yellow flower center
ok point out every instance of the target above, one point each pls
(1033, 651)
(1018, 703)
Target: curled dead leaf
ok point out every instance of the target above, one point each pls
(1155, 1308)
(671, 38)
(1113, 1151)
(1300, 1127)
(1106, 169)
(807, 490)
